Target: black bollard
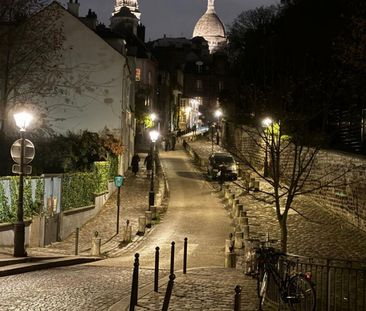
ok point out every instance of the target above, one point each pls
(172, 258)
(135, 283)
(77, 241)
(185, 256)
(237, 302)
(168, 292)
(156, 276)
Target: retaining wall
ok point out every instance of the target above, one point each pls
(69, 220)
(347, 198)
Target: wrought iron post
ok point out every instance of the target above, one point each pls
(118, 207)
(168, 292)
(156, 275)
(237, 298)
(172, 251)
(77, 241)
(185, 255)
(152, 192)
(19, 226)
(135, 283)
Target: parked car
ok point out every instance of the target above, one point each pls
(221, 158)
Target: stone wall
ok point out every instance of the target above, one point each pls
(347, 196)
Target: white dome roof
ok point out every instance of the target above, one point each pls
(210, 27)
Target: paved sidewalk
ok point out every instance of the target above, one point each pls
(204, 289)
(133, 203)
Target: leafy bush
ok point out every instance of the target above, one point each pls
(101, 170)
(32, 204)
(6, 214)
(78, 190)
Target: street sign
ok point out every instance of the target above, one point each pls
(29, 151)
(118, 180)
(27, 169)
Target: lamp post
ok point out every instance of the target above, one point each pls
(266, 123)
(118, 181)
(154, 135)
(218, 114)
(22, 120)
(212, 136)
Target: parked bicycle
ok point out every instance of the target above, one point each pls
(295, 289)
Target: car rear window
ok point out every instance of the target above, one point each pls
(223, 159)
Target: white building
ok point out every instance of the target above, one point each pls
(95, 84)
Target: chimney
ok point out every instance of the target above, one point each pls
(91, 20)
(73, 7)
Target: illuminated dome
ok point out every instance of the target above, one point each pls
(210, 27)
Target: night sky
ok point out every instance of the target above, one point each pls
(175, 18)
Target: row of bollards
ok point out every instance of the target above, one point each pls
(168, 293)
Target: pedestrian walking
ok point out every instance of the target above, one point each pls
(194, 129)
(135, 163)
(173, 141)
(167, 143)
(149, 164)
(221, 176)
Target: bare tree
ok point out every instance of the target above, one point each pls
(289, 165)
(31, 47)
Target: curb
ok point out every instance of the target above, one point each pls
(23, 265)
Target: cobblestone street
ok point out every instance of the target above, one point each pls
(205, 289)
(105, 284)
(313, 232)
(71, 288)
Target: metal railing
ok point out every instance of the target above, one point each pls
(339, 284)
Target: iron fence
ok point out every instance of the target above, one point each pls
(340, 284)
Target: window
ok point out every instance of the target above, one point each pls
(138, 74)
(199, 84)
(149, 78)
(199, 65)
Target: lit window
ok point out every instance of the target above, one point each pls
(138, 74)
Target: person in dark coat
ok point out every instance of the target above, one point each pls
(149, 164)
(173, 141)
(167, 143)
(135, 163)
(221, 176)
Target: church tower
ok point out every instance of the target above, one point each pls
(133, 5)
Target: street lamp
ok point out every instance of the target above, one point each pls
(22, 120)
(218, 114)
(154, 135)
(266, 123)
(153, 116)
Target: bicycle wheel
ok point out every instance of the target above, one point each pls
(259, 277)
(262, 284)
(301, 294)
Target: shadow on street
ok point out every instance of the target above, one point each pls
(191, 175)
